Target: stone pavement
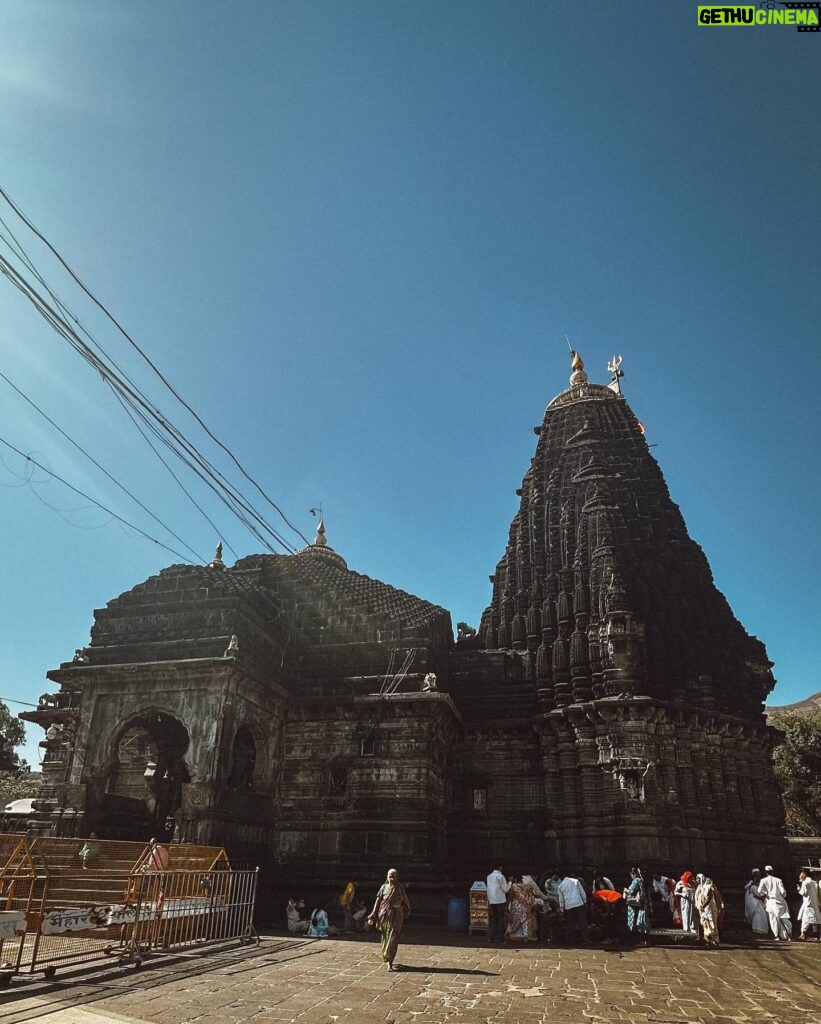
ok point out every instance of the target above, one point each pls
(445, 980)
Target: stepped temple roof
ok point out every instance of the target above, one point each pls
(600, 588)
(188, 611)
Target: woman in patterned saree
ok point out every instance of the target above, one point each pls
(390, 910)
(521, 902)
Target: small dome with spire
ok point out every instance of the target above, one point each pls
(321, 547)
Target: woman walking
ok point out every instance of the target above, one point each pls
(709, 905)
(521, 902)
(638, 906)
(685, 891)
(390, 910)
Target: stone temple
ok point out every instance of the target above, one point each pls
(607, 711)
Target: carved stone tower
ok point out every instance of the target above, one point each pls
(644, 690)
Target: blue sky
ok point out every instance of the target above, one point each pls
(354, 236)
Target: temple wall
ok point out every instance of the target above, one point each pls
(365, 786)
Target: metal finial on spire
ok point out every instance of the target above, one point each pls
(320, 540)
(578, 376)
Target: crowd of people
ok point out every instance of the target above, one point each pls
(563, 908)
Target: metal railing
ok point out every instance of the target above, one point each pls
(120, 900)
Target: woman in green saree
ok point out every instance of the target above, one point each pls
(390, 910)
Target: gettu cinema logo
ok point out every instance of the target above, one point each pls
(805, 16)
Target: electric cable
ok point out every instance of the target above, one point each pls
(94, 501)
(156, 370)
(102, 469)
(136, 398)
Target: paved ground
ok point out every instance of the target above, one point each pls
(446, 980)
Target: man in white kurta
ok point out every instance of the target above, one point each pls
(775, 896)
(810, 913)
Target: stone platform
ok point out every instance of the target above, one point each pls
(445, 980)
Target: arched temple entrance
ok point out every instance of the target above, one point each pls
(147, 770)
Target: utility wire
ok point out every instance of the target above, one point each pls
(94, 501)
(102, 469)
(136, 397)
(223, 488)
(174, 476)
(156, 370)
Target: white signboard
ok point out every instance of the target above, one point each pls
(12, 923)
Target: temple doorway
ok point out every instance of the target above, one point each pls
(144, 786)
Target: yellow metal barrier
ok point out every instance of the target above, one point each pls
(79, 900)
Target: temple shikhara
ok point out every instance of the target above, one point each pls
(608, 709)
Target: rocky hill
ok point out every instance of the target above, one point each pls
(802, 707)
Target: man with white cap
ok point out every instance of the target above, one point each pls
(775, 895)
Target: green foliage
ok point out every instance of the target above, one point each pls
(12, 734)
(18, 786)
(797, 763)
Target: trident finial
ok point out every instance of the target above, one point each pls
(614, 367)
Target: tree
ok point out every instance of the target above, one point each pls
(12, 734)
(797, 763)
(18, 786)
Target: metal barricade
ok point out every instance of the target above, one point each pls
(183, 909)
(83, 913)
(18, 880)
(82, 900)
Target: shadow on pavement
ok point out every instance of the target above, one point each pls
(415, 969)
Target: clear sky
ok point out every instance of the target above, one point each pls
(354, 235)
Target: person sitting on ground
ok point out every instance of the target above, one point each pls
(318, 927)
(358, 914)
(295, 923)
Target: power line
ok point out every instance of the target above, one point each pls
(174, 476)
(156, 370)
(94, 501)
(102, 469)
(144, 408)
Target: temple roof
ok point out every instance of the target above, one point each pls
(305, 600)
(600, 588)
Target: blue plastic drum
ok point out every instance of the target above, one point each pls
(457, 915)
